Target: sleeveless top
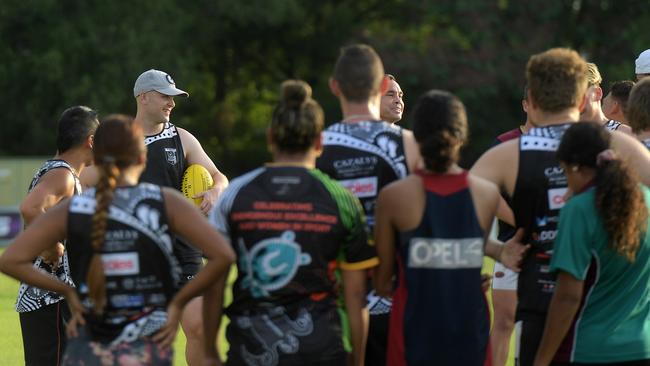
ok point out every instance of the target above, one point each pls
(166, 161)
(292, 229)
(165, 166)
(439, 310)
(537, 199)
(32, 298)
(141, 271)
(364, 157)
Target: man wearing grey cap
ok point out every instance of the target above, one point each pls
(170, 150)
(642, 64)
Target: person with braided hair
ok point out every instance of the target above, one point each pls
(599, 313)
(436, 223)
(301, 243)
(126, 307)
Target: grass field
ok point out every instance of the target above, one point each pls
(11, 347)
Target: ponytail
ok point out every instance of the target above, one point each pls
(622, 207)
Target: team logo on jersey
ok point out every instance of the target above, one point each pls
(556, 198)
(271, 263)
(170, 154)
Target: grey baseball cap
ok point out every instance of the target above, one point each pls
(643, 63)
(158, 81)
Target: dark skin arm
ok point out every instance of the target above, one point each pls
(561, 312)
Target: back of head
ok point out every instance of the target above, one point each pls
(557, 79)
(119, 143)
(74, 126)
(440, 128)
(620, 91)
(359, 73)
(637, 111)
(297, 120)
(593, 75)
(618, 198)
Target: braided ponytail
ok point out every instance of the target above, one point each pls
(118, 145)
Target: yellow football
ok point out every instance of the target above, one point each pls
(196, 179)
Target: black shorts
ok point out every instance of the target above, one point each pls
(43, 333)
(377, 339)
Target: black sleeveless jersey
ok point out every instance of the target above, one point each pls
(537, 199)
(364, 157)
(166, 161)
(612, 125)
(141, 271)
(30, 297)
(166, 164)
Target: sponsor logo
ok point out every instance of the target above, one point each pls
(546, 235)
(362, 187)
(127, 301)
(170, 154)
(556, 198)
(445, 253)
(555, 175)
(121, 264)
(360, 162)
(545, 220)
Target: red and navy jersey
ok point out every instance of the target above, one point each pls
(291, 228)
(509, 135)
(440, 315)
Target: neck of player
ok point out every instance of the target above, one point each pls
(76, 158)
(543, 118)
(357, 112)
(149, 127)
(304, 159)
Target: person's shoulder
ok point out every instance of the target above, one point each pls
(509, 135)
(482, 185)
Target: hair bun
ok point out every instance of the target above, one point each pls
(295, 93)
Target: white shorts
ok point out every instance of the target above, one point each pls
(504, 278)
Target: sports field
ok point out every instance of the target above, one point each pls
(11, 347)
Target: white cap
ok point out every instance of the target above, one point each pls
(158, 81)
(643, 63)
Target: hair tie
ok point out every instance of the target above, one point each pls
(605, 155)
(108, 159)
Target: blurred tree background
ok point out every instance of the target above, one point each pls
(231, 56)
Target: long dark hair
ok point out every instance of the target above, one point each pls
(297, 119)
(619, 199)
(118, 144)
(440, 128)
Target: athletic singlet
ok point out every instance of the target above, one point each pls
(165, 166)
(32, 298)
(612, 125)
(364, 157)
(291, 228)
(141, 271)
(440, 315)
(166, 161)
(537, 199)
